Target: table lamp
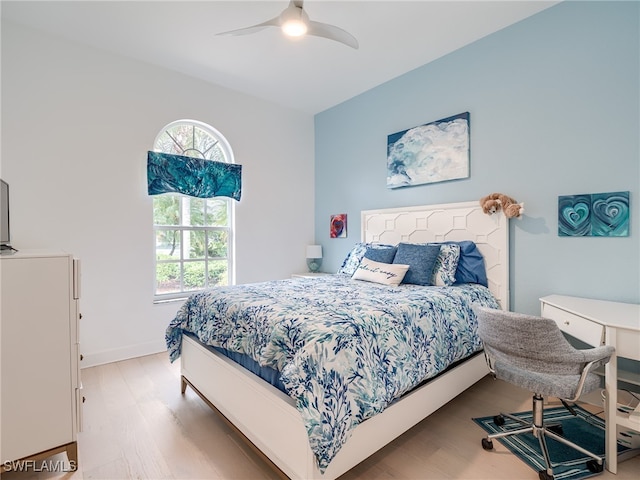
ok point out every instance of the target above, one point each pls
(314, 257)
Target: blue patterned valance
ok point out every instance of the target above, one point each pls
(195, 177)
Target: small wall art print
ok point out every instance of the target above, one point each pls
(338, 226)
(594, 215)
(434, 152)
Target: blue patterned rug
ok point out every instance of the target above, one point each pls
(584, 429)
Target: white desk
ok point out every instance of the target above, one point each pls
(599, 322)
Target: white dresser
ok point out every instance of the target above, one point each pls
(41, 404)
(600, 322)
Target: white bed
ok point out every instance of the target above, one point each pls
(269, 419)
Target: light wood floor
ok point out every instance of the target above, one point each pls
(137, 425)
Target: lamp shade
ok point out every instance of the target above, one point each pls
(314, 251)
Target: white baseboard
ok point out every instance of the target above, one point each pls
(124, 353)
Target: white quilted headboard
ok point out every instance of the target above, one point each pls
(451, 221)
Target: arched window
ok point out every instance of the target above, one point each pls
(193, 236)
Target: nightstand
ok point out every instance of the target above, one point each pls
(309, 274)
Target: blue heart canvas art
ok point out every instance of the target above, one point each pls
(610, 214)
(574, 215)
(594, 215)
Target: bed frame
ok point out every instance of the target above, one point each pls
(268, 418)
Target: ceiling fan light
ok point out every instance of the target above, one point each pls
(294, 28)
(294, 21)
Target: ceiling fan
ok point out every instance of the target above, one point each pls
(295, 22)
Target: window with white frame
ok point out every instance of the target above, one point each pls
(193, 236)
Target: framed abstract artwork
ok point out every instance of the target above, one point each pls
(434, 152)
(594, 215)
(338, 226)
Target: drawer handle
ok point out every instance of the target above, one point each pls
(567, 322)
(81, 357)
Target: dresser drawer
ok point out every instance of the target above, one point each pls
(575, 325)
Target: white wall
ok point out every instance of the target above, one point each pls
(76, 125)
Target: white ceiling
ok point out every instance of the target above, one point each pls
(310, 74)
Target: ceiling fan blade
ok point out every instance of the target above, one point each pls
(274, 22)
(295, 12)
(332, 32)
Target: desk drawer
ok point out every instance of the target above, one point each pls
(575, 325)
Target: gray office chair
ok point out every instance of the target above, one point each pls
(531, 352)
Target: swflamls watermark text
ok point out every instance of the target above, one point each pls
(59, 466)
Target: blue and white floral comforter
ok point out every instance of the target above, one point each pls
(345, 348)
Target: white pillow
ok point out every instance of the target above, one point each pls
(384, 273)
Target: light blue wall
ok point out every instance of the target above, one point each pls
(554, 105)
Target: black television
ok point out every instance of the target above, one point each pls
(5, 233)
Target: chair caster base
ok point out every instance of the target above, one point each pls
(543, 475)
(594, 466)
(487, 444)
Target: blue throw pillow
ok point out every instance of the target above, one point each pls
(471, 264)
(421, 260)
(381, 254)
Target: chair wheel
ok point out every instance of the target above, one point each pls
(487, 444)
(543, 475)
(498, 420)
(594, 466)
